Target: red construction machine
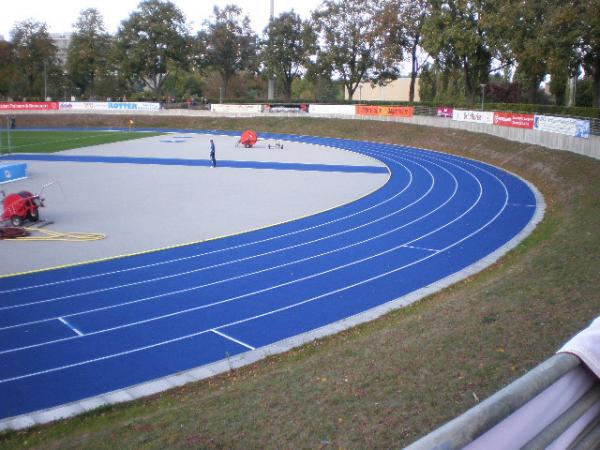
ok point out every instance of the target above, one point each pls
(248, 138)
(22, 206)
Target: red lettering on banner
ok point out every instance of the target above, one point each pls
(28, 106)
(400, 111)
(396, 111)
(507, 119)
(367, 110)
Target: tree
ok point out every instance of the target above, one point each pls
(403, 22)
(153, 43)
(564, 54)
(7, 68)
(88, 51)
(352, 48)
(590, 24)
(524, 28)
(228, 45)
(34, 56)
(441, 83)
(184, 85)
(457, 37)
(287, 48)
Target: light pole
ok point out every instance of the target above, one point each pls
(220, 95)
(359, 94)
(271, 85)
(45, 82)
(482, 85)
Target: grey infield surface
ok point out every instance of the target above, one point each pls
(147, 207)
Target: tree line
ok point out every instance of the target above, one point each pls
(459, 49)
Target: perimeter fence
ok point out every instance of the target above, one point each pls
(429, 111)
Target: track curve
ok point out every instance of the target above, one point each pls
(81, 332)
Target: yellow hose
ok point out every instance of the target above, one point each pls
(69, 236)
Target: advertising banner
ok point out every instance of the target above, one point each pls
(445, 111)
(235, 109)
(563, 125)
(108, 106)
(388, 111)
(341, 110)
(28, 106)
(83, 106)
(133, 106)
(367, 110)
(515, 120)
(399, 111)
(473, 116)
(287, 108)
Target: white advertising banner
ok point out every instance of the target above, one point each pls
(338, 110)
(563, 125)
(230, 108)
(473, 116)
(134, 106)
(109, 106)
(83, 106)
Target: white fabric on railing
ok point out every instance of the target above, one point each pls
(525, 423)
(586, 346)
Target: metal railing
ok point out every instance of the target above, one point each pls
(467, 429)
(594, 123)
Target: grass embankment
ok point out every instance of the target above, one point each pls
(23, 141)
(385, 383)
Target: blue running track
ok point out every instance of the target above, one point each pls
(78, 332)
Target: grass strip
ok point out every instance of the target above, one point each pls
(32, 141)
(385, 383)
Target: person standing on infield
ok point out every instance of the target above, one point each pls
(212, 154)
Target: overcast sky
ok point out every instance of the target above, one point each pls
(60, 15)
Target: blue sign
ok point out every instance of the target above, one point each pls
(12, 172)
(582, 129)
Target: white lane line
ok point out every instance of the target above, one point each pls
(270, 288)
(381, 275)
(229, 338)
(224, 263)
(175, 260)
(522, 206)
(260, 241)
(279, 250)
(197, 287)
(103, 358)
(286, 264)
(433, 250)
(71, 327)
(264, 270)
